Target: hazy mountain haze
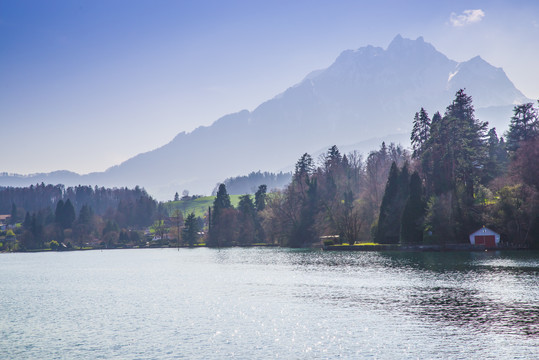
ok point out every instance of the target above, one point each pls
(368, 93)
(87, 85)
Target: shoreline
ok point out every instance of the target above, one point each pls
(358, 247)
(419, 248)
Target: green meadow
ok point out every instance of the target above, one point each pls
(199, 205)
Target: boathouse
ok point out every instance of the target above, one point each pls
(486, 237)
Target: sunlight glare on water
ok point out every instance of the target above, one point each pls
(261, 303)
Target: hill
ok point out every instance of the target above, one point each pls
(197, 205)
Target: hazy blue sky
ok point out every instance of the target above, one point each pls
(85, 85)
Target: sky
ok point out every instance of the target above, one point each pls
(85, 85)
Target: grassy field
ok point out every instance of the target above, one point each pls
(198, 206)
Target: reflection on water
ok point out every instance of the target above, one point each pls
(467, 308)
(494, 291)
(260, 303)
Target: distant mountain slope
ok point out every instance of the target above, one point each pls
(248, 184)
(366, 93)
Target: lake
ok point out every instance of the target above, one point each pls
(260, 303)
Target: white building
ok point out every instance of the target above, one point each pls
(486, 237)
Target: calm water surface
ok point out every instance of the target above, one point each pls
(268, 303)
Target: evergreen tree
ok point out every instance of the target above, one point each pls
(430, 153)
(260, 198)
(84, 225)
(404, 184)
(467, 138)
(304, 233)
(393, 202)
(260, 205)
(246, 221)
(68, 216)
(304, 167)
(221, 219)
(176, 196)
(86, 214)
(333, 158)
(384, 233)
(376, 173)
(221, 201)
(496, 163)
(502, 156)
(420, 133)
(300, 205)
(455, 162)
(413, 214)
(456, 150)
(523, 127)
(59, 212)
(36, 228)
(190, 230)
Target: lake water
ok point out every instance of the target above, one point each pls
(268, 303)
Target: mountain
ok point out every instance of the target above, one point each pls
(366, 94)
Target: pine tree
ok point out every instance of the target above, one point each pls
(420, 133)
(260, 198)
(221, 201)
(413, 214)
(304, 168)
(246, 220)
(305, 232)
(387, 208)
(59, 213)
(68, 214)
(86, 214)
(467, 139)
(454, 163)
(496, 163)
(221, 218)
(523, 127)
(302, 203)
(393, 202)
(191, 228)
(333, 158)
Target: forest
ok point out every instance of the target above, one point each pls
(458, 176)
(44, 216)
(248, 184)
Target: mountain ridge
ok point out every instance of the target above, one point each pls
(366, 93)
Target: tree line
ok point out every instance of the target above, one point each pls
(340, 196)
(458, 177)
(77, 215)
(248, 184)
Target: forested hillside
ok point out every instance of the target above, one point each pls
(248, 184)
(77, 215)
(459, 177)
(365, 93)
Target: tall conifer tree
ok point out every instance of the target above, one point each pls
(413, 214)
